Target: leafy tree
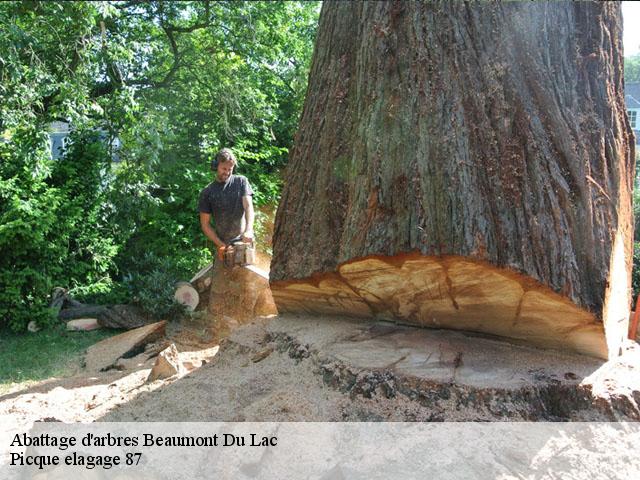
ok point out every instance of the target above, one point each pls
(51, 224)
(174, 81)
(632, 68)
(241, 85)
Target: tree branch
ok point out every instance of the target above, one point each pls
(196, 26)
(169, 31)
(117, 79)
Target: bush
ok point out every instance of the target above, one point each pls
(261, 165)
(159, 215)
(103, 292)
(31, 259)
(152, 283)
(635, 273)
(52, 227)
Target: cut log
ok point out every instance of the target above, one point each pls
(123, 316)
(104, 354)
(240, 293)
(60, 299)
(84, 311)
(202, 280)
(109, 316)
(186, 295)
(494, 134)
(202, 284)
(83, 324)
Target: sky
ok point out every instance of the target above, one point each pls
(631, 23)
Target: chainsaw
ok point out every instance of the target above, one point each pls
(238, 254)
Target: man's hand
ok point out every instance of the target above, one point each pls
(205, 224)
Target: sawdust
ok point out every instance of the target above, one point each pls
(296, 369)
(86, 396)
(326, 369)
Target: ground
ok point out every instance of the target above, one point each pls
(295, 368)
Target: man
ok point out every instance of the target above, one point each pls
(228, 200)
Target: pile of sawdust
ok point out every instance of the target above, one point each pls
(323, 369)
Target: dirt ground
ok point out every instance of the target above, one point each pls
(335, 369)
(237, 389)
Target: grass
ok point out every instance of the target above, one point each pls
(32, 357)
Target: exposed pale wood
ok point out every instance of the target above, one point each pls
(494, 131)
(326, 293)
(83, 324)
(447, 292)
(240, 293)
(104, 354)
(203, 274)
(202, 284)
(167, 365)
(186, 295)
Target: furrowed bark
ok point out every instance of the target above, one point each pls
(491, 132)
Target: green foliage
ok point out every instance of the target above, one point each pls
(632, 68)
(104, 291)
(52, 230)
(152, 283)
(635, 273)
(82, 223)
(29, 259)
(175, 81)
(261, 166)
(48, 60)
(159, 216)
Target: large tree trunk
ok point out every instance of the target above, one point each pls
(489, 141)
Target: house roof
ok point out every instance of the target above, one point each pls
(632, 94)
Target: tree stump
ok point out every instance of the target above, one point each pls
(240, 293)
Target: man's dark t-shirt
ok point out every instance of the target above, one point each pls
(224, 202)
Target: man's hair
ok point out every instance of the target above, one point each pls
(223, 156)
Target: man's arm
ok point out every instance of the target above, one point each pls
(205, 225)
(247, 203)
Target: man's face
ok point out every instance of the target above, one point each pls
(224, 171)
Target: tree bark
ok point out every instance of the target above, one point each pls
(490, 135)
(110, 316)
